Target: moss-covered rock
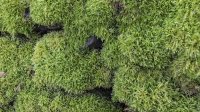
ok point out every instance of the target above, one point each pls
(12, 17)
(15, 63)
(58, 63)
(34, 100)
(145, 90)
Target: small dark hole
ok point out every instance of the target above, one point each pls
(94, 43)
(27, 13)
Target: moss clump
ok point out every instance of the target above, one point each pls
(145, 90)
(183, 30)
(49, 12)
(58, 64)
(143, 41)
(12, 17)
(91, 17)
(15, 63)
(98, 16)
(111, 54)
(33, 100)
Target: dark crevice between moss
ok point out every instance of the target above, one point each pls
(42, 30)
(3, 34)
(22, 37)
(125, 107)
(27, 14)
(118, 8)
(105, 92)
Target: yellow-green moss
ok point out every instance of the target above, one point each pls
(59, 64)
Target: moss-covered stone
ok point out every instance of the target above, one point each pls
(12, 18)
(15, 63)
(59, 64)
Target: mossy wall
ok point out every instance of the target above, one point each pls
(99, 55)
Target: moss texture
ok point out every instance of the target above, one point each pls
(183, 29)
(141, 53)
(58, 64)
(34, 100)
(145, 90)
(15, 63)
(50, 12)
(12, 17)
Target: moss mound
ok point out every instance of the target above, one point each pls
(84, 55)
(13, 18)
(145, 90)
(58, 64)
(34, 100)
(15, 64)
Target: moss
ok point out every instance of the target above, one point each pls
(59, 64)
(34, 100)
(183, 31)
(146, 90)
(111, 54)
(49, 12)
(15, 63)
(12, 17)
(142, 37)
(92, 17)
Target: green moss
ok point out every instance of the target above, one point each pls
(183, 31)
(15, 62)
(59, 64)
(111, 54)
(142, 37)
(12, 16)
(92, 17)
(50, 12)
(34, 100)
(145, 90)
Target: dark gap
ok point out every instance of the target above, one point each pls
(2, 34)
(105, 92)
(118, 8)
(94, 43)
(22, 37)
(11, 103)
(27, 13)
(42, 30)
